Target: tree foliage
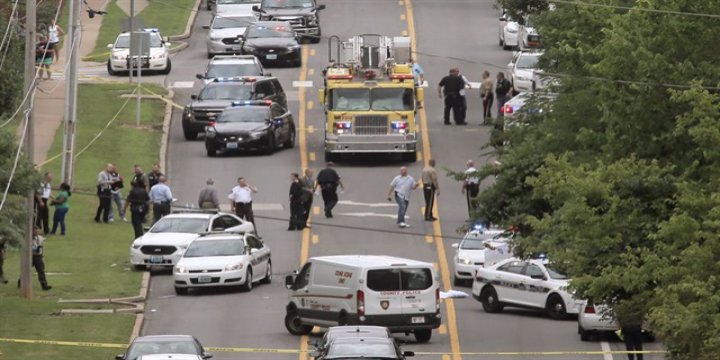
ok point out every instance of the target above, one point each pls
(619, 180)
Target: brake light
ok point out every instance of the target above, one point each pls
(437, 300)
(589, 309)
(506, 109)
(360, 303)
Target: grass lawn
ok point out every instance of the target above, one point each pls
(91, 261)
(170, 16)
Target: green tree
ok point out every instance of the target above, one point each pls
(13, 215)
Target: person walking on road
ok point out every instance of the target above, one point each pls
(162, 198)
(296, 208)
(116, 194)
(208, 198)
(241, 201)
(503, 91)
(471, 185)
(42, 196)
(630, 317)
(449, 90)
(328, 181)
(431, 187)
(61, 208)
(104, 194)
(308, 185)
(139, 201)
(486, 94)
(401, 186)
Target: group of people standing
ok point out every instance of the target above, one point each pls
(44, 199)
(452, 89)
(46, 49)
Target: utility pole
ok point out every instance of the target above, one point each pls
(26, 250)
(71, 85)
(132, 33)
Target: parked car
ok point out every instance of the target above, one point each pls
(508, 32)
(225, 33)
(303, 16)
(363, 348)
(521, 69)
(166, 345)
(158, 60)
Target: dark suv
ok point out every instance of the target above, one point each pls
(220, 93)
(301, 14)
(251, 125)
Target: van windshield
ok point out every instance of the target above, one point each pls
(399, 279)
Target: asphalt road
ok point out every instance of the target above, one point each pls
(449, 33)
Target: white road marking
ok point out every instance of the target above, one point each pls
(350, 202)
(257, 207)
(303, 84)
(183, 84)
(605, 346)
(391, 216)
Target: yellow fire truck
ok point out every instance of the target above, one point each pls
(370, 97)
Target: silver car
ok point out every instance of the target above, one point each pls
(226, 31)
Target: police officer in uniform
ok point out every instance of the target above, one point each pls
(37, 259)
(138, 200)
(162, 198)
(308, 185)
(449, 88)
(431, 187)
(296, 208)
(471, 185)
(328, 181)
(241, 201)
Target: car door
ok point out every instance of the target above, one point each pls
(417, 284)
(280, 96)
(507, 279)
(258, 257)
(281, 121)
(533, 285)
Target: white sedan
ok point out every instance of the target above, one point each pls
(223, 260)
(158, 59)
(528, 36)
(522, 68)
(470, 253)
(165, 242)
(508, 32)
(524, 283)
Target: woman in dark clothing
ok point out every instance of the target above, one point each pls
(296, 209)
(138, 200)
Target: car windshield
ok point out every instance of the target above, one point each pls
(392, 99)
(225, 93)
(527, 61)
(180, 225)
(474, 244)
(123, 42)
(140, 348)
(254, 114)
(269, 32)
(554, 274)
(233, 22)
(203, 248)
(232, 70)
(361, 350)
(350, 99)
(288, 3)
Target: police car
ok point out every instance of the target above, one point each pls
(165, 242)
(525, 283)
(232, 66)
(508, 32)
(223, 260)
(159, 59)
(470, 253)
(528, 38)
(521, 69)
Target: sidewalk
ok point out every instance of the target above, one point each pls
(50, 100)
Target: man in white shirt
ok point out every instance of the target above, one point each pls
(241, 201)
(402, 185)
(162, 198)
(471, 185)
(42, 195)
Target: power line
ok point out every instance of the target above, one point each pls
(633, 8)
(7, 31)
(18, 152)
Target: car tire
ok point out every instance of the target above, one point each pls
(423, 336)
(343, 319)
(167, 68)
(181, 291)
(247, 286)
(490, 301)
(211, 152)
(189, 134)
(268, 274)
(555, 307)
(584, 335)
(139, 267)
(110, 71)
(290, 143)
(270, 147)
(500, 41)
(294, 325)
(297, 62)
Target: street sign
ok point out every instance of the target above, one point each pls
(140, 44)
(137, 24)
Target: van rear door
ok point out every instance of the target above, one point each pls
(406, 290)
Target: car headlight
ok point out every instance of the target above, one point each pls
(312, 21)
(258, 134)
(293, 47)
(117, 57)
(522, 78)
(159, 57)
(234, 267)
(180, 270)
(464, 261)
(215, 38)
(136, 245)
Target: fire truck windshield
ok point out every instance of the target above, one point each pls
(350, 99)
(390, 99)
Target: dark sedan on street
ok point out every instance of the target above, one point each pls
(272, 42)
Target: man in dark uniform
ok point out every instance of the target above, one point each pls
(328, 181)
(154, 176)
(449, 88)
(503, 91)
(308, 184)
(139, 202)
(139, 177)
(37, 259)
(296, 208)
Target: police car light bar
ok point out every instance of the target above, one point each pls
(236, 78)
(151, 30)
(251, 102)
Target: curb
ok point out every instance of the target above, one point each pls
(145, 286)
(189, 25)
(177, 49)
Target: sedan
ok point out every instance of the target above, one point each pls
(470, 253)
(362, 348)
(508, 32)
(165, 345)
(157, 60)
(225, 33)
(272, 41)
(223, 260)
(521, 69)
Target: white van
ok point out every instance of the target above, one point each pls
(400, 294)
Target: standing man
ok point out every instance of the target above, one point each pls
(41, 203)
(37, 259)
(296, 208)
(503, 91)
(208, 198)
(449, 89)
(139, 177)
(431, 187)
(466, 85)
(116, 194)
(104, 181)
(486, 94)
(402, 185)
(328, 180)
(308, 185)
(154, 176)
(138, 200)
(630, 316)
(241, 201)
(471, 185)
(161, 197)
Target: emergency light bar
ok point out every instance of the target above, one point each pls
(236, 78)
(401, 76)
(251, 102)
(340, 77)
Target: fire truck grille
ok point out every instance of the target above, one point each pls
(371, 125)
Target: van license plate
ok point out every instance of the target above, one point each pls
(271, 56)
(156, 259)
(204, 279)
(418, 319)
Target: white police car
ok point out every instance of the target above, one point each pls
(159, 59)
(508, 32)
(470, 253)
(524, 283)
(225, 260)
(165, 242)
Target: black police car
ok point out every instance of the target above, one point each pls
(301, 14)
(220, 93)
(251, 125)
(272, 41)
